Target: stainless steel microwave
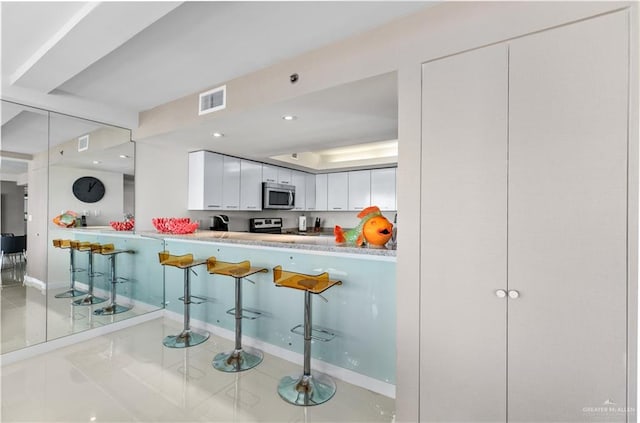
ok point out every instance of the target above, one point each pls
(278, 196)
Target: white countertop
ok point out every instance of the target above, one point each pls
(306, 242)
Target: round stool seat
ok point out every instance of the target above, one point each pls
(240, 358)
(311, 388)
(188, 337)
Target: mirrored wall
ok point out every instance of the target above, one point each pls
(66, 178)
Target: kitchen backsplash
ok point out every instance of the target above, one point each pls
(239, 221)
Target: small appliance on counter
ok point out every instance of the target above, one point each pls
(265, 225)
(302, 223)
(316, 225)
(219, 223)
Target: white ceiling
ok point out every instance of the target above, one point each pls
(133, 56)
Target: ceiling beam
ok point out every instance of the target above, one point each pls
(94, 31)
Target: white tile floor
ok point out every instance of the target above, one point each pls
(130, 376)
(28, 316)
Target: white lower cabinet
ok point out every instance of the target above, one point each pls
(338, 191)
(524, 229)
(250, 185)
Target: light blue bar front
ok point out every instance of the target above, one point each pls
(361, 311)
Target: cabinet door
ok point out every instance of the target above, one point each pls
(299, 180)
(463, 238)
(321, 192)
(337, 191)
(383, 189)
(568, 222)
(284, 176)
(250, 185)
(359, 189)
(269, 174)
(231, 184)
(205, 181)
(310, 191)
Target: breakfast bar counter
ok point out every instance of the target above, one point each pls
(301, 242)
(360, 313)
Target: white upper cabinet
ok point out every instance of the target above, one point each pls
(205, 180)
(310, 191)
(383, 189)
(250, 185)
(269, 174)
(299, 180)
(359, 189)
(337, 191)
(219, 182)
(284, 176)
(231, 183)
(321, 192)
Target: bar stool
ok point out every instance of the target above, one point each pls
(188, 337)
(72, 291)
(91, 248)
(310, 388)
(112, 308)
(238, 359)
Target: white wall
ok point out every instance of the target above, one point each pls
(61, 195)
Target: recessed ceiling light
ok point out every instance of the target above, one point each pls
(217, 134)
(289, 117)
(97, 162)
(124, 156)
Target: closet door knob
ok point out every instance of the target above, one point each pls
(501, 293)
(514, 294)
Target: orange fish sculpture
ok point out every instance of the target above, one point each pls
(374, 229)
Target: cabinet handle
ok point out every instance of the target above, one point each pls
(501, 293)
(232, 207)
(337, 208)
(514, 294)
(213, 205)
(252, 207)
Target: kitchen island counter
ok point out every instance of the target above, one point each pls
(301, 242)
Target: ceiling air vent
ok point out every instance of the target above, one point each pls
(83, 143)
(212, 100)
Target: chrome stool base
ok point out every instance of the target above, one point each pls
(313, 389)
(185, 339)
(70, 293)
(88, 300)
(111, 309)
(237, 360)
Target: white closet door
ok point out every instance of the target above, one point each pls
(567, 223)
(464, 239)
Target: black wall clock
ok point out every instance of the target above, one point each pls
(88, 189)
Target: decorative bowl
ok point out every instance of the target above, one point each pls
(126, 225)
(174, 225)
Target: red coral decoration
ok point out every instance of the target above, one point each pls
(174, 225)
(127, 225)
